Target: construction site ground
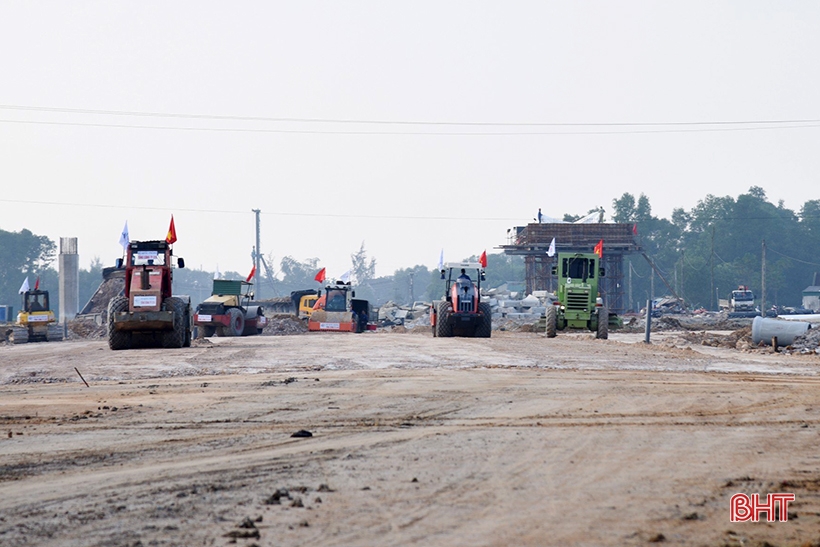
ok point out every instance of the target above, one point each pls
(399, 438)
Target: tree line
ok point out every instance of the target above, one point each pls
(719, 244)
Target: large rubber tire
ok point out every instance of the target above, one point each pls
(552, 321)
(444, 327)
(485, 328)
(603, 324)
(189, 329)
(259, 315)
(175, 338)
(237, 323)
(117, 339)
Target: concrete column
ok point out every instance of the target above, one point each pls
(69, 264)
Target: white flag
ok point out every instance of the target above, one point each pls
(441, 260)
(551, 250)
(345, 277)
(24, 287)
(124, 241)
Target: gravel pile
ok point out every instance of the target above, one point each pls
(739, 339)
(283, 324)
(808, 343)
(86, 329)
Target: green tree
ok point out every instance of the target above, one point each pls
(90, 280)
(411, 284)
(23, 254)
(624, 208)
(363, 269)
(298, 275)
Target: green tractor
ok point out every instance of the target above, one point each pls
(578, 305)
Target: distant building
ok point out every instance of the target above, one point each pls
(811, 298)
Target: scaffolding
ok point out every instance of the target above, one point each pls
(533, 240)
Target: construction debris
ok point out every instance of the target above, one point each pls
(282, 324)
(807, 343)
(88, 327)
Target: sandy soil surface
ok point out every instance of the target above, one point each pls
(514, 440)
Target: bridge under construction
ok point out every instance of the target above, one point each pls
(533, 241)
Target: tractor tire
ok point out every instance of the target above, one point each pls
(117, 339)
(552, 321)
(189, 330)
(485, 328)
(175, 338)
(208, 330)
(603, 324)
(444, 327)
(237, 324)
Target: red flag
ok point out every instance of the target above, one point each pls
(172, 232)
(320, 275)
(483, 259)
(37, 284)
(250, 275)
(599, 249)
(634, 229)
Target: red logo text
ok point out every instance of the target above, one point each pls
(748, 508)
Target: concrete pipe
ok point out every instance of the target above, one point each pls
(765, 329)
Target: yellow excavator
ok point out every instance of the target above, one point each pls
(35, 322)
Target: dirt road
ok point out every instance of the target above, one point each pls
(514, 440)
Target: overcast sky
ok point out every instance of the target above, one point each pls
(409, 126)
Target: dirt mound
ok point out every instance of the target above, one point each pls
(283, 324)
(86, 328)
(807, 343)
(108, 289)
(739, 339)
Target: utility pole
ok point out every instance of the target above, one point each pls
(256, 255)
(712, 272)
(763, 280)
(629, 307)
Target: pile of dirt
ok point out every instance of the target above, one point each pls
(738, 339)
(108, 289)
(515, 324)
(807, 343)
(282, 324)
(86, 328)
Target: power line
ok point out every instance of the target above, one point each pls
(791, 257)
(395, 122)
(615, 128)
(306, 214)
(410, 133)
(275, 213)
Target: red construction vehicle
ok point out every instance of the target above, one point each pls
(147, 314)
(461, 312)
